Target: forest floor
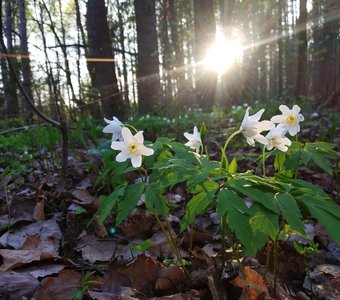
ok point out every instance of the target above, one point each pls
(52, 247)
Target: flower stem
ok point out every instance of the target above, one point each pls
(170, 240)
(264, 161)
(132, 127)
(230, 138)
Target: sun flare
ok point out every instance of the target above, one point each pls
(223, 54)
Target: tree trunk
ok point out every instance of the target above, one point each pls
(102, 72)
(25, 63)
(10, 91)
(204, 24)
(301, 84)
(148, 82)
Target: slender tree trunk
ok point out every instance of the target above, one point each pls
(122, 46)
(103, 73)
(204, 24)
(148, 82)
(280, 34)
(25, 63)
(94, 108)
(10, 91)
(301, 84)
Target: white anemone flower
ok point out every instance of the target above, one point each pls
(290, 119)
(131, 147)
(276, 139)
(251, 127)
(115, 127)
(195, 141)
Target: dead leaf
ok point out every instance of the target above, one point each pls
(58, 288)
(14, 286)
(16, 258)
(41, 270)
(46, 230)
(94, 249)
(84, 198)
(252, 283)
(169, 278)
(38, 213)
(142, 272)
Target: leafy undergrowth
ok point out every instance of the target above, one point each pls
(55, 246)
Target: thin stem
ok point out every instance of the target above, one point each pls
(171, 242)
(267, 259)
(264, 161)
(132, 127)
(230, 138)
(276, 265)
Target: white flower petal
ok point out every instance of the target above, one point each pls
(269, 147)
(250, 141)
(139, 137)
(136, 161)
(294, 130)
(282, 147)
(296, 109)
(122, 156)
(261, 139)
(265, 125)
(301, 118)
(146, 151)
(188, 135)
(107, 121)
(118, 146)
(284, 109)
(245, 119)
(127, 135)
(278, 119)
(258, 115)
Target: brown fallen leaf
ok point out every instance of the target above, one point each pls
(15, 286)
(58, 288)
(252, 284)
(38, 213)
(169, 278)
(46, 230)
(84, 198)
(16, 258)
(142, 272)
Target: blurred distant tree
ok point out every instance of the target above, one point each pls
(148, 80)
(10, 90)
(204, 24)
(103, 75)
(302, 83)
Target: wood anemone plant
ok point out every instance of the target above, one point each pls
(61, 124)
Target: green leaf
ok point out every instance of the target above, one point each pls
(155, 200)
(321, 161)
(264, 221)
(224, 160)
(107, 203)
(245, 187)
(130, 200)
(328, 215)
(279, 161)
(232, 207)
(233, 166)
(142, 246)
(293, 160)
(290, 211)
(195, 206)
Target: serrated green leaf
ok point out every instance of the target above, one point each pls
(264, 198)
(293, 160)
(233, 166)
(290, 211)
(321, 161)
(132, 195)
(155, 200)
(195, 206)
(264, 221)
(330, 221)
(279, 161)
(107, 203)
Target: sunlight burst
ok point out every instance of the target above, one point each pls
(223, 54)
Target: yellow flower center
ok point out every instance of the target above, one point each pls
(291, 120)
(133, 148)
